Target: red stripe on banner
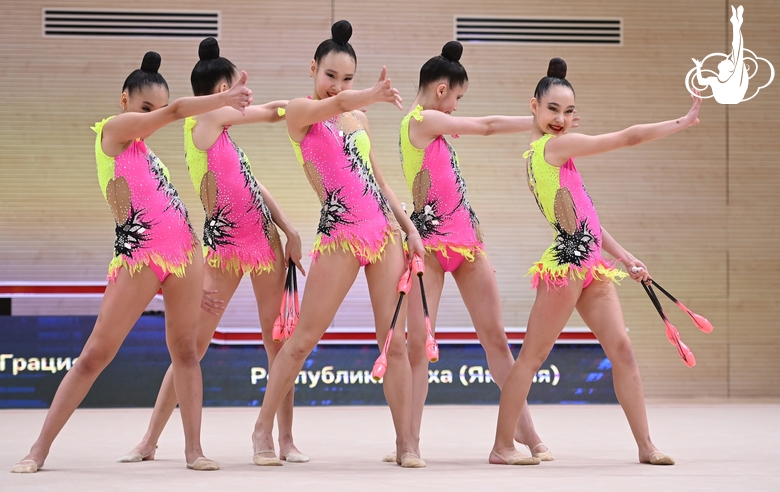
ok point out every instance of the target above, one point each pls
(367, 337)
(52, 289)
(55, 289)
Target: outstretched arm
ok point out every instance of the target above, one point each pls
(129, 126)
(436, 123)
(260, 113)
(302, 113)
(559, 150)
(621, 254)
(292, 250)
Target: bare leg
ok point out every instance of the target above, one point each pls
(182, 310)
(269, 290)
(122, 305)
(418, 359)
(330, 278)
(225, 285)
(477, 284)
(549, 314)
(600, 308)
(382, 280)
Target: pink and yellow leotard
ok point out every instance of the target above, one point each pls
(355, 214)
(152, 226)
(442, 214)
(562, 198)
(239, 234)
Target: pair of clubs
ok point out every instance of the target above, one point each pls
(285, 323)
(417, 267)
(671, 332)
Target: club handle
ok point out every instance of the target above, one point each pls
(418, 265)
(405, 283)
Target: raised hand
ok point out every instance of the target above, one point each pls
(692, 118)
(696, 62)
(385, 92)
(239, 96)
(575, 120)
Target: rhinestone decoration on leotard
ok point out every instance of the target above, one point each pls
(442, 213)
(132, 234)
(359, 166)
(164, 185)
(574, 248)
(216, 230)
(334, 212)
(461, 187)
(151, 220)
(428, 221)
(238, 234)
(355, 215)
(561, 196)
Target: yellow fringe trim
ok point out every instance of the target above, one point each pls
(357, 247)
(234, 265)
(468, 252)
(560, 273)
(167, 267)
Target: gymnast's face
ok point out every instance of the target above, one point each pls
(447, 98)
(554, 112)
(144, 100)
(334, 73)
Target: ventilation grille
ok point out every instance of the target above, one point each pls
(59, 22)
(548, 31)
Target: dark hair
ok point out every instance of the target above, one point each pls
(556, 75)
(445, 66)
(211, 69)
(146, 75)
(340, 33)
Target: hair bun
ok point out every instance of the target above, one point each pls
(341, 31)
(208, 49)
(452, 51)
(557, 68)
(151, 62)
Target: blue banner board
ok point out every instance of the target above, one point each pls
(36, 353)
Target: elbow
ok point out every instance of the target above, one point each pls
(632, 140)
(489, 129)
(342, 103)
(175, 111)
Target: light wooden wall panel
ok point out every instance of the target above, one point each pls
(700, 207)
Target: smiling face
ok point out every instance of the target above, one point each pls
(554, 112)
(334, 73)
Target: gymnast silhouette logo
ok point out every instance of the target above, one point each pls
(735, 70)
